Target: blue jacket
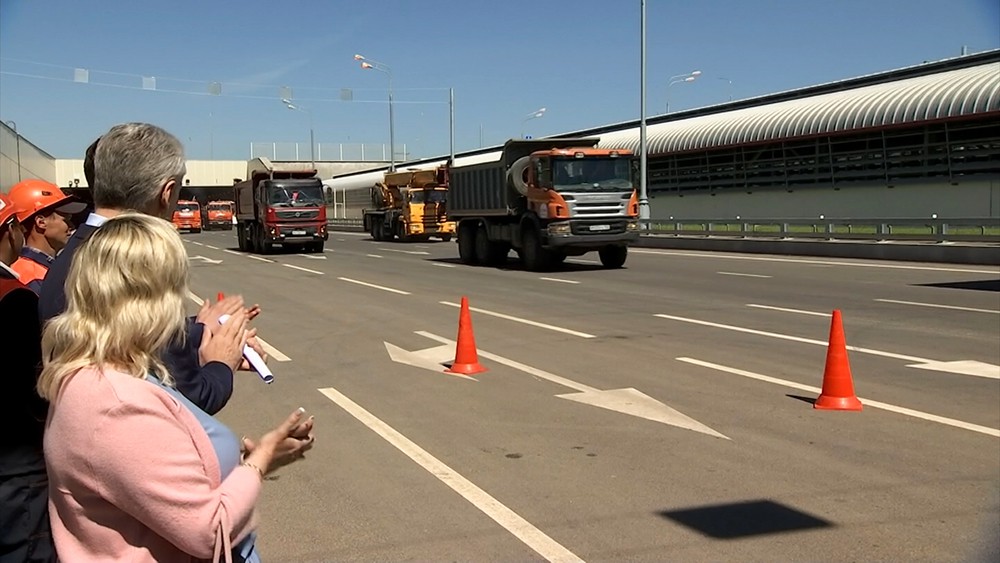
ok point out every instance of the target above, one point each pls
(209, 386)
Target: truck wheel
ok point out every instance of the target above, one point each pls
(467, 243)
(241, 240)
(316, 247)
(376, 231)
(401, 232)
(613, 256)
(483, 246)
(536, 258)
(446, 238)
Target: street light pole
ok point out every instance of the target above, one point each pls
(689, 77)
(643, 174)
(369, 64)
(533, 115)
(17, 139)
(312, 143)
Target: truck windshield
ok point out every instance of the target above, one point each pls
(591, 174)
(218, 207)
(428, 196)
(187, 207)
(295, 196)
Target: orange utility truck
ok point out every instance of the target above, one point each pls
(546, 199)
(280, 204)
(219, 215)
(187, 216)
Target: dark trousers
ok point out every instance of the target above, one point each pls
(25, 534)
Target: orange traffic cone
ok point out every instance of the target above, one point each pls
(838, 385)
(466, 358)
(220, 296)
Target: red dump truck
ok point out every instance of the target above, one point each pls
(546, 199)
(280, 205)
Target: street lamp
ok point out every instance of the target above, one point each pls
(312, 144)
(643, 172)
(17, 139)
(689, 77)
(533, 115)
(369, 64)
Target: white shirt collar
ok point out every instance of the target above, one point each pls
(95, 220)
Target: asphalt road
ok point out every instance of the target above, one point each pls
(715, 359)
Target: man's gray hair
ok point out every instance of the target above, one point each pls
(132, 163)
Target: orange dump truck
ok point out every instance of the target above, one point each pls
(220, 215)
(187, 216)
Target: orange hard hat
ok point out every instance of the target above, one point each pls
(8, 210)
(34, 196)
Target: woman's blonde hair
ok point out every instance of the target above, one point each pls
(125, 297)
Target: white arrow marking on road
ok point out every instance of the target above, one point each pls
(231, 251)
(626, 401)
(209, 260)
(434, 359)
(962, 367)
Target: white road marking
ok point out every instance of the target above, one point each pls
(628, 401)
(260, 259)
(964, 367)
(510, 520)
(442, 265)
(212, 247)
(328, 250)
(340, 240)
(582, 261)
(559, 280)
(523, 321)
(271, 351)
(196, 242)
(303, 269)
(867, 402)
(804, 261)
(373, 255)
(312, 256)
(783, 309)
(743, 275)
(231, 251)
(972, 309)
(418, 252)
(383, 288)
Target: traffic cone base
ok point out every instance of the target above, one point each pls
(466, 358)
(838, 384)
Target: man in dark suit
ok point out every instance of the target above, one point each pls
(138, 166)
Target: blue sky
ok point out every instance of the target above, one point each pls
(504, 60)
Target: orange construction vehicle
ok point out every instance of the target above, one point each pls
(220, 215)
(187, 216)
(410, 205)
(280, 204)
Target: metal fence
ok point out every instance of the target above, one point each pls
(327, 152)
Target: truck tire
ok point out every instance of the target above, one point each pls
(467, 243)
(516, 174)
(445, 238)
(241, 240)
(613, 257)
(376, 231)
(536, 258)
(252, 238)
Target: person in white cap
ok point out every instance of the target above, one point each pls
(46, 217)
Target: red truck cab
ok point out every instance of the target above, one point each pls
(187, 216)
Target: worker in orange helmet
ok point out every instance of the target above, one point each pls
(46, 216)
(25, 534)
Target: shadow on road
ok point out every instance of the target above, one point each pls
(977, 285)
(744, 519)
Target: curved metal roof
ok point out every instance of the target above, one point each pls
(951, 94)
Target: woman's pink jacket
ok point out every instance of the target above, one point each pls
(134, 477)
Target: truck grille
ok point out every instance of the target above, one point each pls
(598, 205)
(297, 214)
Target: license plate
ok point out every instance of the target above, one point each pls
(600, 227)
(294, 233)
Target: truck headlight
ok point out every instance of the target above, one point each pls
(559, 228)
(632, 226)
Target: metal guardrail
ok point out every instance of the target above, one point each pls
(976, 229)
(964, 229)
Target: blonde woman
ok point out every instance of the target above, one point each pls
(136, 471)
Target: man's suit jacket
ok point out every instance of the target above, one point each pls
(208, 386)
